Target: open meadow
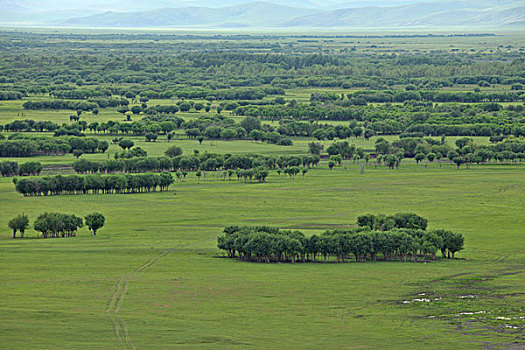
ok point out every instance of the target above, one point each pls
(190, 297)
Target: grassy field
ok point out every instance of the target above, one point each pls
(153, 278)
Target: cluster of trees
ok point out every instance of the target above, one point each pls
(9, 168)
(28, 125)
(35, 146)
(466, 151)
(57, 225)
(270, 244)
(10, 95)
(342, 148)
(389, 222)
(409, 147)
(75, 184)
(507, 151)
(220, 127)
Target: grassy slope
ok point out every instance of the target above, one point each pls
(58, 290)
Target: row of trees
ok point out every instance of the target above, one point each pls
(385, 96)
(270, 244)
(56, 225)
(60, 104)
(28, 125)
(389, 222)
(35, 146)
(8, 168)
(75, 184)
(175, 161)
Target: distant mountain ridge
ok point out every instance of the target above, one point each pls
(265, 14)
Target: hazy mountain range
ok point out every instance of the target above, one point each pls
(267, 14)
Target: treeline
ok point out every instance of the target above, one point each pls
(79, 94)
(8, 168)
(90, 105)
(56, 225)
(36, 146)
(106, 184)
(202, 162)
(386, 96)
(465, 130)
(216, 95)
(270, 244)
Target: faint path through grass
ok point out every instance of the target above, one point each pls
(115, 302)
(119, 326)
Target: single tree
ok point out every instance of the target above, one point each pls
(77, 153)
(419, 157)
(173, 151)
(94, 221)
(315, 148)
(126, 144)
(251, 123)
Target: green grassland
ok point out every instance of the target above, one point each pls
(60, 291)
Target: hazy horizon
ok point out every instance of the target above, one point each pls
(251, 14)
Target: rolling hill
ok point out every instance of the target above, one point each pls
(267, 14)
